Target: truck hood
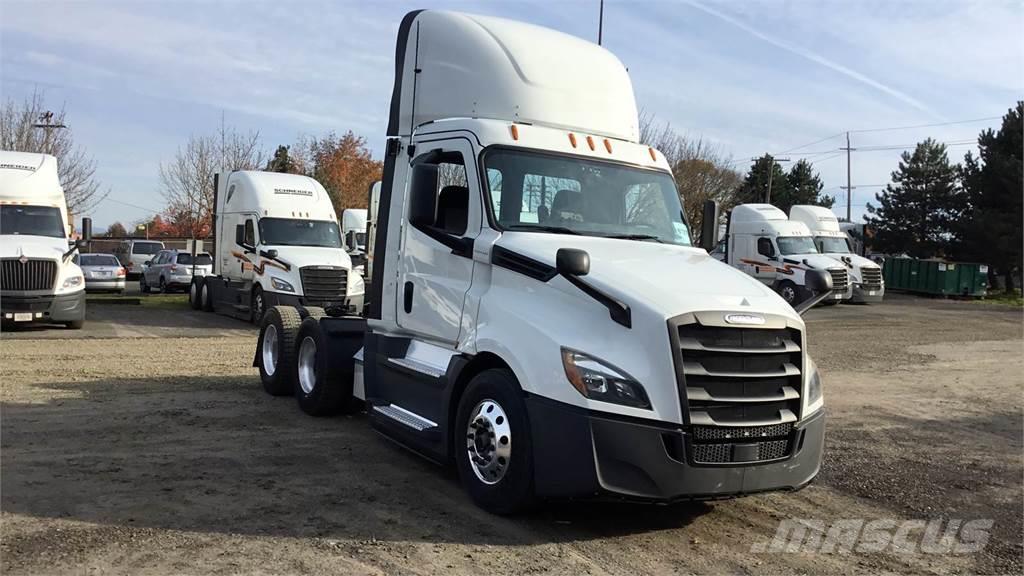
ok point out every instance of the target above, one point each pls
(853, 260)
(669, 279)
(18, 245)
(819, 261)
(299, 256)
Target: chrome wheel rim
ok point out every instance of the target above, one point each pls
(270, 350)
(192, 293)
(204, 296)
(307, 364)
(788, 294)
(489, 442)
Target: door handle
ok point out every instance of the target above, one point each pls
(407, 297)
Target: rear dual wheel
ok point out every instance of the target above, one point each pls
(276, 350)
(320, 386)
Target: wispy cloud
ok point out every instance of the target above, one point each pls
(813, 57)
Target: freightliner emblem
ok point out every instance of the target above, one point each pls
(748, 319)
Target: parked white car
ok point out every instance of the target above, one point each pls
(103, 272)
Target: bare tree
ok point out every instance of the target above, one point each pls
(702, 171)
(29, 126)
(188, 179)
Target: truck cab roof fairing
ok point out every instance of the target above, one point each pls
(485, 67)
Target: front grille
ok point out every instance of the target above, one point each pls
(33, 274)
(871, 277)
(840, 279)
(324, 286)
(741, 387)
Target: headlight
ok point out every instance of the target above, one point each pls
(281, 285)
(599, 381)
(813, 397)
(73, 281)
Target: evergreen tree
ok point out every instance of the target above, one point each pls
(918, 213)
(804, 188)
(765, 172)
(282, 162)
(994, 186)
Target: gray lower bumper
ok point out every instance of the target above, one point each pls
(869, 294)
(580, 454)
(59, 308)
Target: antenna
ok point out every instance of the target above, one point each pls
(600, 23)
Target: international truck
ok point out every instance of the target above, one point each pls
(762, 242)
(866, 281)
(277, 243)
(537, 314)
(39, 282)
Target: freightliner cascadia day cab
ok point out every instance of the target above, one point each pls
(277, 242)
(865, 276)
(39, 282)
(762, 242)
(537, 314)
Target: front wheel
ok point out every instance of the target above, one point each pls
(492, 443)
(143, 287)
(792, 293)
(259, 305)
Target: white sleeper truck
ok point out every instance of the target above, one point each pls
(537, 314)
(277, 242)
(762, 242)
(353, 230)
(865, 276)
(39, 282)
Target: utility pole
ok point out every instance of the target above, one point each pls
(600, 23)
(849, 186)
(771, 173)
(46, 123)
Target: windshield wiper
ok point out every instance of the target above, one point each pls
(542, 228)
(635, 237)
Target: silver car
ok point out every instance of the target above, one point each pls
(103, 272)
(172, 270)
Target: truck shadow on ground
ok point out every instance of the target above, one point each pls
(215, 454)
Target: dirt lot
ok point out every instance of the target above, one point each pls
(127, 454)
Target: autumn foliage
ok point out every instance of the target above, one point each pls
(343, 165)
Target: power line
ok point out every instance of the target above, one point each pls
(108, 199)
(926, 125)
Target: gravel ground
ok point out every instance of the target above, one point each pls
(126, 454)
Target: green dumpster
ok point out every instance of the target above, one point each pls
(936, 277)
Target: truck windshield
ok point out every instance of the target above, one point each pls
(31, 221)
(536, 192)
(292, 232)
(796, 245)
(832, 245)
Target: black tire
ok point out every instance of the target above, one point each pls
(258, 305)
(283, 322)
(194, 291)
(513, 491)
(163, 285)
(792, 293)
(75, 324)
(205, 300)
(143, 287)
(312, 312)
(320, 386)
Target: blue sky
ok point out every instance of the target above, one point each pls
(138, 77)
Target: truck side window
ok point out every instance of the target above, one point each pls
(250, 233)
(440, 194)
(765, 248)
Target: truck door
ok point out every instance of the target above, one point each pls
(766, 256)
(443, 218)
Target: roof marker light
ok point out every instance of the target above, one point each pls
(653, 155)
(608, 145)
(515, 132)
(572, 139)
(590, 142)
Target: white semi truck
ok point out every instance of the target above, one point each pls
(762, 242)
(277, 242)
(39, 282)
(866, 281)
(353, 230)
(537, 314)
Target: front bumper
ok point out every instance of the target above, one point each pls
(578, 453)
(45, 308)
(867, 294)
(353, 304)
